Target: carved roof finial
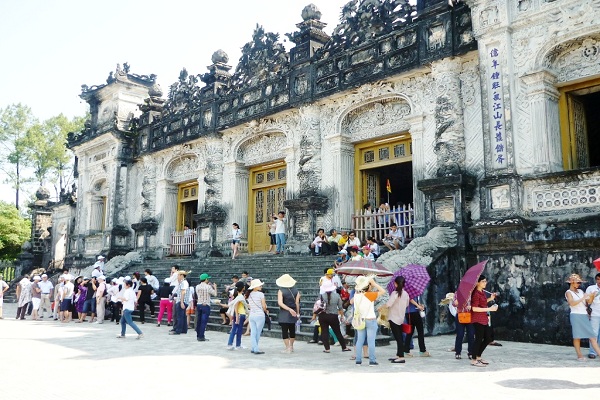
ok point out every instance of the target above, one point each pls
(311, 12)
(220, 57)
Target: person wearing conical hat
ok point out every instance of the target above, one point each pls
(288, 298)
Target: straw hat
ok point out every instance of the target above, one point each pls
(448, 299)
(574, 278)
(255, 283)
(285, 281)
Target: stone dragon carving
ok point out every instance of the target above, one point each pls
(420, 249)
(363, 20)
(262, 58)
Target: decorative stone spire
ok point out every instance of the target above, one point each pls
(219, 75)
(310, 37)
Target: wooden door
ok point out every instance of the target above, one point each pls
(267, 197)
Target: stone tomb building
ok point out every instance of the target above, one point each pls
(482, 114)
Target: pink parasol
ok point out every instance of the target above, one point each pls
(416, 279)
(363, 267)
(467, 284)
(597, 263)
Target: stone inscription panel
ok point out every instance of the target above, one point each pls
(443, 210)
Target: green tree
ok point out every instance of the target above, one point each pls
(14, 231)
(15, 121)
(45, 149)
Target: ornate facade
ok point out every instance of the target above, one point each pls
(492, 98)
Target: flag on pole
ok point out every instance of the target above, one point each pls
(388, 186)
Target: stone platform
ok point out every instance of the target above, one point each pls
(49, 357)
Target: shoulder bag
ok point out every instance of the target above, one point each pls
(358, 321)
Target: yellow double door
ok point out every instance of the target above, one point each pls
(267, 194)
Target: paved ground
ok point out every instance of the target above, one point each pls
(71, 361)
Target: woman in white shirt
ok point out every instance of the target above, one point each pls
(258, 310)
(128, 299)
(580, 323)
(236, 237)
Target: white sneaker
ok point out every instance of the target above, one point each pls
(230, 347)
(240, 348)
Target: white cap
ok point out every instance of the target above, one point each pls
(37, 278)
(100, 257)
(44, 276)
(102, 277)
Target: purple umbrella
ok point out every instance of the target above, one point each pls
(467, 284)
(416, 279)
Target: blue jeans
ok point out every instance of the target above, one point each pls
(181, 324)
(257, 321)
(596, 328)
(366, 335)
(89, 306)
(280, 240)
(236, 331)
(202, 313)
(126, 320)
(460, 333)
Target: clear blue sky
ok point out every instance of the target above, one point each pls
(49, 48)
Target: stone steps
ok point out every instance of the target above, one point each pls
(305, 269)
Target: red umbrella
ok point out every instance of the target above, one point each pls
(416, 279)
(363, 267)
(467, 284)
(597, 263)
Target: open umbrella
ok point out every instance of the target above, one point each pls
(597, 263)
(363, 267)
(467, 284)
(416, 279)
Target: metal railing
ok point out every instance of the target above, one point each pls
(183, 243)
(377, 223)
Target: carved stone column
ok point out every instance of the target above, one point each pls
(545, 125)
(342, 171)
(96, 214)
(449, 124)
(418, 161)
(239, 212)
(166, 208)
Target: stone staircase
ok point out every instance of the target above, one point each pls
(306, 270)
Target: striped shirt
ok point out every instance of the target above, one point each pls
(204, 291)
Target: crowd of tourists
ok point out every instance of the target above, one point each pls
(345, 314)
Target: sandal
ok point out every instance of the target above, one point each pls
(326, 351)
(483, 361)
(398, 361)
(346, 349)
(457, 356)
(353, 358)
(478, 364)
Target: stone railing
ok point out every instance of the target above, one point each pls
(562, 193)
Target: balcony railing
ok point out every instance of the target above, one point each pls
(377, 223)
(183, 243)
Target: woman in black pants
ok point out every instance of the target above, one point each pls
(413, 317)
(144, 296)
(397, 305)
(329, 318)
(480, 319)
